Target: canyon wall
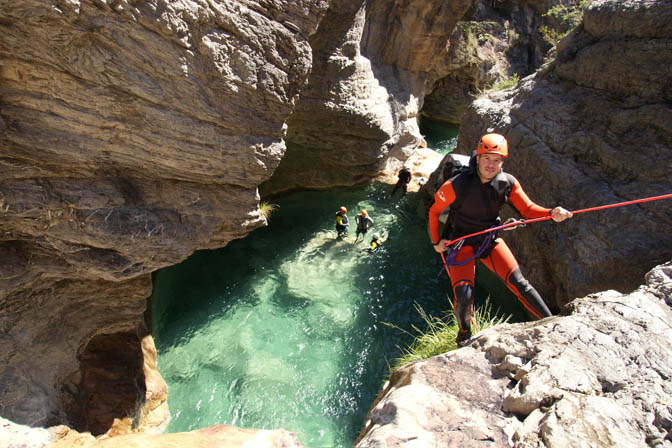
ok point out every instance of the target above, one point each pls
(591, 129)
(358, 112)
(131, 134)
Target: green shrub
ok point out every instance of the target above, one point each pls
(563, 20)
(441, 333)
(551, 35)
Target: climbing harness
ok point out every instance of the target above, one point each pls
(456, 248)
(450, 259)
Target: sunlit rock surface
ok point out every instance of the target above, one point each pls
(218, 436)
(596, 376)
(591, 129)
(361, 103)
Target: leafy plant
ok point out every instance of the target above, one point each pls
(267, 209)
(441, 333)
(563, 20)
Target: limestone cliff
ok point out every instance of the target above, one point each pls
(586, 130)
(359, 109)
(131, 134)
(596, 376)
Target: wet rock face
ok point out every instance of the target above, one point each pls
(131, 134)
(596, 376)
(586, 131)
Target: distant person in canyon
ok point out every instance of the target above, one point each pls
(376, 243)
(404, 178)
(342, 222)
(475, 197)
(364, 223)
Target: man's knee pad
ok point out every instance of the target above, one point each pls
(519, 282)
(463, 302)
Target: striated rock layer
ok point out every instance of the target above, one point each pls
(596, 376)
(591, 129)
(131, 134)
(134, 133)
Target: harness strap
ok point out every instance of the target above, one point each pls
(450, 259)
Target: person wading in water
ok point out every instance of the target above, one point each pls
(342, 222)
(364, 223)
(475, 197)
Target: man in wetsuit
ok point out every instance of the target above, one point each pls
(376, 242)
(404, 179)
(475, 197)
(364, 223)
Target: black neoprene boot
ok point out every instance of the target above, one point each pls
(463, 337)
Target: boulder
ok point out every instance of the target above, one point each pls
(596, 376)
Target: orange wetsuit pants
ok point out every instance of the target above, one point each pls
(502, 262)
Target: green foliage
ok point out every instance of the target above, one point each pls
(267, 209)
(563, 20)
(440, 334)
(551, 35)
(506, 83)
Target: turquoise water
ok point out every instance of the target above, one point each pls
(284, 328)
(440, 136)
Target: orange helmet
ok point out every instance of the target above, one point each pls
(344, 210)
(493, 144)
(364, 213)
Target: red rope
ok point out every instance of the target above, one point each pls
(546, 218)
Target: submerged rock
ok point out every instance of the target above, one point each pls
(596, 376)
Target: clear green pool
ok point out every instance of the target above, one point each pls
(283, 329)
(440, 136)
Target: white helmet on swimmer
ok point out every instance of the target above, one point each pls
(376, 237)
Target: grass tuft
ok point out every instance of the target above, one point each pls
(267, 209)
(441, 333)
(505, 84)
